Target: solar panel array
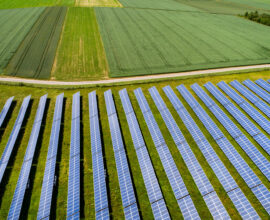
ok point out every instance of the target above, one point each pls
(49, 174)
(230, 186)
(254, 154)
(99, 173)
(5, 110)
(265, 85)
(18, 197)
(13, 137)
(73, 199)
(256, 89)
(253, 182)
(126, 187)
(251, 111)
(260, 104)
(205, 187)
(257, 135)
(150, 180)
(178, 186)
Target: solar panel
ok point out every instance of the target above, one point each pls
(256, 89)
(5, 110)
(201, 180)
(265, 85)
(251, 97)
(254, 154)
(235, 158)
(99, 173)
(212, 158)
(18, 197)
(251, 111)
(178, 186)
(73, 199)
(150, 180)
(49, 174)
(257, 135)
(126, 187)
(13, 137)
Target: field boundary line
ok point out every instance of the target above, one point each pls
(149, 78)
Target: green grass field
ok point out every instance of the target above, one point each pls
(59, 208)
(140, 42)
(35, 56)
(98, 3)
(80, 55)
(33, 3)
(15, 25)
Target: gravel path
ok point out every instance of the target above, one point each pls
(129, 79)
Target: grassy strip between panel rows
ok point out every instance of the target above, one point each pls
(59, 206)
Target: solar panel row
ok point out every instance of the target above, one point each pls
(235, 158)
(205, 187)
(73, 199)
(13, 137)
(256, 89)
(260, 104)
(5, 110)
(126, 187)
(257, 135)
(49, 174)
(265, 85)
(99, 173)
(254, 154)
(249, 109)
(178, 186)
(18, 197)
(150, 180)
(240, 201)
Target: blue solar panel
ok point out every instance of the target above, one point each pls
(13, 137)
(99, 173)
(238, 162)
(256, 89)
(265, 85)
(126, 187)
(258, 136)
(18, 197)
(235, 132)
(5, 110)
(191, 161)
(73, 200)
(251, 111)
(251, 97)
(150, 180)
(212, 158)
(49, 174)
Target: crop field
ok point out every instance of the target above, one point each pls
(35, 56)
(33, 3)
(97, 3)
(30, 206)
(80, 55)
(257, 4)
(140, 42)
(15, 24)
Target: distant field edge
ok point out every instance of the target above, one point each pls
(133, 80)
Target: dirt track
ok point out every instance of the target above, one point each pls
(129, 79)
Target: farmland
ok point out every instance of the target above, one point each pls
(97, 3)
(33, 3)
(35, 56)
(80, 54)
(156, 41)
(15, 24)
(87, 208)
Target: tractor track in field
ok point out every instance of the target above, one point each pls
(132, 79)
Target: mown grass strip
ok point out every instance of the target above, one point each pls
(80, 55)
